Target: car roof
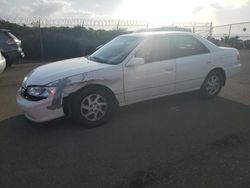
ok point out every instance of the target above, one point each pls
(156, 33)
(162, 33)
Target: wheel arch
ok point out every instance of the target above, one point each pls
(67, 100)
(222, 71)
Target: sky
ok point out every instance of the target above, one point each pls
(154, 11)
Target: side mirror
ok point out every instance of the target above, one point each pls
(136, 61)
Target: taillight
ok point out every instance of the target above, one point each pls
(238, 57)
(10, 41)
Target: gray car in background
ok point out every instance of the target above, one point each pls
(10, 47)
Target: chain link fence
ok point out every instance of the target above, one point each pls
(235, 35)
(44, 38)
(129, 25)
(241, 30)
(204, 28)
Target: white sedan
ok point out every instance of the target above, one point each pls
(130, 68)
(2, 63)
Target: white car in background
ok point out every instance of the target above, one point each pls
(2, 63)
(130, 68)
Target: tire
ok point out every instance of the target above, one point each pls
(8, 62)
(93, 106)
(212, 85)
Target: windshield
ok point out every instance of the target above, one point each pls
(116, 50)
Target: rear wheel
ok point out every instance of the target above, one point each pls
(93, 106)
(8, 63)
(212, 84)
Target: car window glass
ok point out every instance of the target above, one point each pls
(157, 49)
(188, 46)
(2, 37)
(116, 50)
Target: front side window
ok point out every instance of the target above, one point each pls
(185, 45)
(156, 49)
(116, 50)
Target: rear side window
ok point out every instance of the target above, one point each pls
(156, 49)
(3, 37)
(185, 45)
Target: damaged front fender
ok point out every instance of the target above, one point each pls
(72, 84)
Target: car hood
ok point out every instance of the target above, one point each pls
(62, 69)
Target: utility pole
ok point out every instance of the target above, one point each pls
(229, 32)
(211, 30)
(41, 40)
(117, 27)
(194, 28)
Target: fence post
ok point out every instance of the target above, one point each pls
(229, 32)
(211, 30)
(117, 26)
(41, 40)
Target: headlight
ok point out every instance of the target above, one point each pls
(41, 91)
(24, 80)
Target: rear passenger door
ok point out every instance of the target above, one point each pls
(193, 60)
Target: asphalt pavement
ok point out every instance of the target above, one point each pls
(175, 141)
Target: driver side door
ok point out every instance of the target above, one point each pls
(156, 77)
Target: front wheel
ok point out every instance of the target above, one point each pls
(212, 85)
(93, 106)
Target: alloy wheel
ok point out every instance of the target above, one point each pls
(94, 107)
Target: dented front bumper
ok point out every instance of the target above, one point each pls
(38, 111)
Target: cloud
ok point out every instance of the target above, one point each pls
(218, 11)
(42, 8)
(197, 9)
(224, 16)
(215, 5)
(48, 7)
(78, 14)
